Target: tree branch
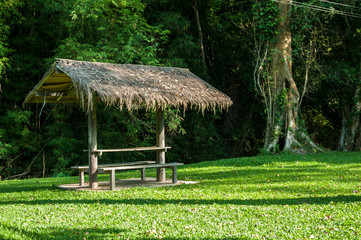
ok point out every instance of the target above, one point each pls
(28, 168)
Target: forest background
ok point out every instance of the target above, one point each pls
(234, 45)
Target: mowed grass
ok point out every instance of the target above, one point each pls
(266, 197)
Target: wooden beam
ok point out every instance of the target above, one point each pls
(54, 99)
(160, 138)
(52, 73)
(92, 139)
(59, 74)
(57, 80)
(43, 80)
(53, 87)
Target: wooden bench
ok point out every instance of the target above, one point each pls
(112, 170)
(84, 168)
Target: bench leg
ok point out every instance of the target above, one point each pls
(174, 174)
(81, 178)
(112, 180)
(142, 174)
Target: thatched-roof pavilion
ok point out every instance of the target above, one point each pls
(132, 86)
(125, 84)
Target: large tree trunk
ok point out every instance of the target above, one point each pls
(350, 138)
(280, 71)
(350, 134)
(285, 97)
(342, 142)
(200, 34)
(355, 121)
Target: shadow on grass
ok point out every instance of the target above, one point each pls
(30, 185)
(147, 201)
(233, 171)
(59, 233)
(328, 157)
(206, 238)
(52, 233)
(221, 177)
(14, 188)
(278, 175)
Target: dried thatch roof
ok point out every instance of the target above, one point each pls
(70, 81)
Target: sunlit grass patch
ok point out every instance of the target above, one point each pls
(266, 197)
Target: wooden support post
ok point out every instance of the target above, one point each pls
(112, 179)
(160, 143)
(93, 146)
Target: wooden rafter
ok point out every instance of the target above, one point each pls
(55, 87)
(54, 99)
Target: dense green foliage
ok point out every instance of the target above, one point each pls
(268, 197)
(32, 33)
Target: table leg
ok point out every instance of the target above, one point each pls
(174, 174)
(81, 178)
(112, 180)
(142, 174)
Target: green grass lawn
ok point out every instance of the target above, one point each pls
(267, 197)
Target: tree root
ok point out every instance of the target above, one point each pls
(298, 142)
